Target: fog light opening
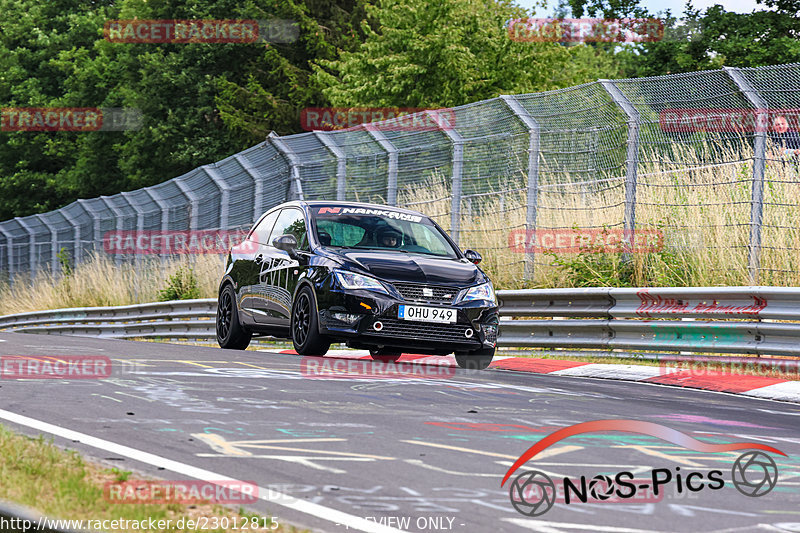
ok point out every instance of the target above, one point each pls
(469, 333)
(347, 318)
(377, 326)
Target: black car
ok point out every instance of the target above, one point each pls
(380, 278)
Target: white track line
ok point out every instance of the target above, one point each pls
(269, 495)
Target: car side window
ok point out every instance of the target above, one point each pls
(262, 231)
(291, 222)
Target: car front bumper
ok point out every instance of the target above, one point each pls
(367, 318)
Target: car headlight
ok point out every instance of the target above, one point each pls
(480, 292)
(350, 280)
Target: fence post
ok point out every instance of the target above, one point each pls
(139, 230)
(194, 202)
(95, 224)
(631, 158)
(156, 197)
(391, 151)
(294, 163)
(10, 253)
(159, 201)
(225, 194)
(258, 185)
(341, 163)
(54, 250)
(33, 263)
(77, 249)
(118, 223)
(458, 170)
(759, 163)
(533, 175)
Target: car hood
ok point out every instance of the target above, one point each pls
(415, 268)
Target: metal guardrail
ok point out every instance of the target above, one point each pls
(734, 320)
(190, 319)
(738, 320)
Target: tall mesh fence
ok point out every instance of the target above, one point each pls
(507, 174)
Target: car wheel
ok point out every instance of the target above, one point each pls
(475, 360)
(304, 324)
(230, 333)
(385, 354)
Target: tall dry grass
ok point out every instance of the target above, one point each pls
(100, 281)
(702, 212)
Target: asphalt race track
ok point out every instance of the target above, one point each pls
(416, 454)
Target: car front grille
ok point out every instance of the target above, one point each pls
(416, 292)
(407, 329)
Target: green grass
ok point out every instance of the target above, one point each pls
(62, 485)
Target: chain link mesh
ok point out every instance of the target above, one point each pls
(595, 157)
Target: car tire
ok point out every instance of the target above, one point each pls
(385, 354)
(305, 325)
(475, 360)
(230, 333)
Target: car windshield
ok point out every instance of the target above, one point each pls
(380, 229)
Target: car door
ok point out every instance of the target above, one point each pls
(279, 271)
(246, 269)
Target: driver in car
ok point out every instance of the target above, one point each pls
(389, 238)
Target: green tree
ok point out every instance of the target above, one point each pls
(447, 53)
(35, 40)
(200, 102)
(279, 83)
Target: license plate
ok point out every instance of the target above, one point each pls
(427, 314)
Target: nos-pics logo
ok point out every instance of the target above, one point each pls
(533, 493)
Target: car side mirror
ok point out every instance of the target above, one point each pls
(473, 256)
(287, 243)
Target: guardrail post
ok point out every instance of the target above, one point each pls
(759, 163)
(258, 185)
(458, 169)
(9, 253)
(391, 152)
(33, 263)
(533, 175)
(631, 157)
(341, 163)
(294, 163)
(225, 193)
